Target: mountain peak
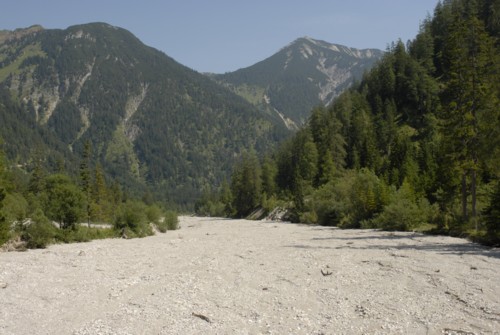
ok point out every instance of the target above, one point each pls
(153, 122)
(7, 35)
(308, 42)
(305, 73)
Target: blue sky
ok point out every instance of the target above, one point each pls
(224, 35)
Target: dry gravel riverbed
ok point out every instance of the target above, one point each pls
(216, 276)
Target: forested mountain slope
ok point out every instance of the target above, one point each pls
(416, 142)
(152, 123)
(304, 74)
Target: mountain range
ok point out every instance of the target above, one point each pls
(154, 124)
(304, 74)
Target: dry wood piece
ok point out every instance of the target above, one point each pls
(327, 273)
(203, 317)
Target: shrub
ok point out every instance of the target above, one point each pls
(153, 214)
(405, 211)
(64, 201)
(40, 233)
(346, 202)
(309, 217)
(131, 220)
(329, 204)
(15, 207)
(212, 208)
(171, 220)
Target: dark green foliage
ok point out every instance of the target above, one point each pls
(64, 202)
(44, 198)
(153, 214)
(83, 234)
(471, 99)
(132, 220)
(25, 142)
(4, 225)
(171, 220)
(492, 212)
(152, 123)
(163, 220)
(15, 207)
(246, 185)
(65, 121)
(404, 211)
(85, 179)
(416, 143)
(40, 232)
(215, 203)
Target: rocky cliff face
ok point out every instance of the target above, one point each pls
(304, 74)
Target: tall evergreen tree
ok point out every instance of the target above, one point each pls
(100, 198)
(472, 102)
(85, 179)
(64, 202)
(4, 226)
(492, 211)
(246, 184)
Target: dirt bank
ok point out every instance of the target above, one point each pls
(216, 276)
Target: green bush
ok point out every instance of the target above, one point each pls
(346, 202)
(309, 217)
(85, 234)
(40, 233)
(171, 220)
(212, 208)
(132, 220)
(405, 211)
(153, 214)
(64, 202)
(329, 203)
(15, 207)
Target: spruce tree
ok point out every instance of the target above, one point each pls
(85, 179)
(472, 102)
(492, 212)
(4, 226)
(246, 184)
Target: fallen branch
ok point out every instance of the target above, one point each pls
(203, 317)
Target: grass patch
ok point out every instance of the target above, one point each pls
(253, 94)
(13, 68)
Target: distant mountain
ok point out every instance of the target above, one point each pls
(152, 122)
(302, 75)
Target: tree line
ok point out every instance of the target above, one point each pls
(414, 145)
(41, 207)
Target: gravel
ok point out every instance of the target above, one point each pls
(218, 276)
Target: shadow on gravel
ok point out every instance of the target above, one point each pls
(449, 249)
(414, 242)
(370, 236)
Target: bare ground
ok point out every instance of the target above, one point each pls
(216, 276)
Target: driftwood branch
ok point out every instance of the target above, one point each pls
(203, 317)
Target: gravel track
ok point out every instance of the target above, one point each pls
(217, 276)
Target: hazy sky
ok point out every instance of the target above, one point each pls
(224, 35)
